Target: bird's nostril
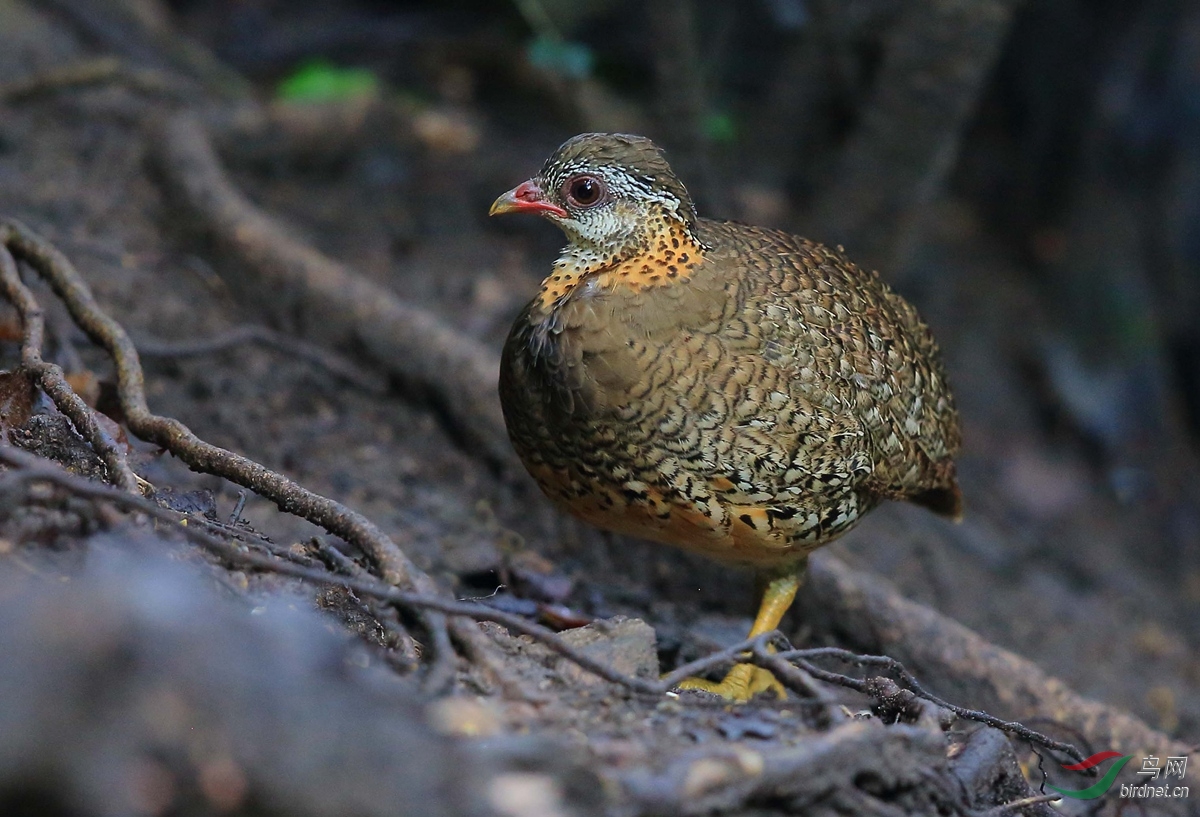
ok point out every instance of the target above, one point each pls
(528, 191)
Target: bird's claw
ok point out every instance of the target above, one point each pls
(742, 683)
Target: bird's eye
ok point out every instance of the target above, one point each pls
(584, 191)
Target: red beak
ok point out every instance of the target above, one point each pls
(526, 197)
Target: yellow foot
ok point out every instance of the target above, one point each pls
(745, 681)
(742, 683)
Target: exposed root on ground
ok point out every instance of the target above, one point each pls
(869, 615)
(49, 376)
(318, 298)
(395, 567)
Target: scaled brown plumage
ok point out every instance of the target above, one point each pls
(738, 392)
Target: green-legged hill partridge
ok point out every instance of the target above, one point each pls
(738, 392)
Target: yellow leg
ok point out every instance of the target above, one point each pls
(745, 681)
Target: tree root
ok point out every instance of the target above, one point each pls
(49, 376)
(864, 613)
(393, 564)
(89, 73)
(315, 297)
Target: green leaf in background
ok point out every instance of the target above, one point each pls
(720, 127)
(322, 81)
(567, 59)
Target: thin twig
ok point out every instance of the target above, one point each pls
(405, 646)
(721, 658)
(1011, 727)
(1017, 805)
(238, 508)
(333, 363)
(1042, 769)
(50, 376)
(37, 468)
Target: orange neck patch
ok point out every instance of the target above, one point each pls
(665, 257)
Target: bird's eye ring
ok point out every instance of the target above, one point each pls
(585, 191)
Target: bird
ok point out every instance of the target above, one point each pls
(738, 392)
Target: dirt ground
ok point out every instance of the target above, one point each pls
(1049, 562)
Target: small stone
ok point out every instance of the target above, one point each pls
(625, 644)
(736, 728)
(526, 794)
(463, 717)
(711, 773)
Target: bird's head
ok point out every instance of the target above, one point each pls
(609, 192)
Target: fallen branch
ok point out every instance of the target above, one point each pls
(49, 376)
(315, 297)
